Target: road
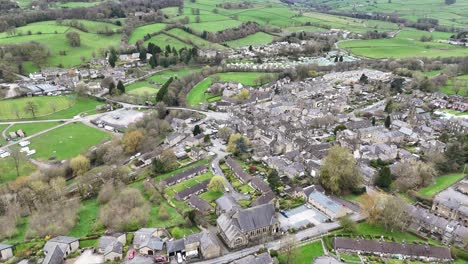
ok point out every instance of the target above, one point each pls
(216, 169)
(306, 234)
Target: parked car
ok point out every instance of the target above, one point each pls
(161, 259)
(179, 258)
(131, 254)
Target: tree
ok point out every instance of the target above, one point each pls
(340, 127)
(111, 88)
(197, 130)
(388, 122)
(450, 2)
(17, 158)
(79, 164)
(373, 121)
(339, 171)
(413, 174)
(131, 141)
(224, 133)
(126, 211)
(121, 87)
(73, 39)
(274, 180)
(153, 62)
(217, 184)
(31, 107)
(289, 249)
(364, 79)
(163, 214)
(237, 144)
(165, 162)
(244, 94)
(142, 55)
(384, 179)
(206, 139)
(387, 211)
(348, 225)
(113, 57)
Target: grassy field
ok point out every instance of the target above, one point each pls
(367, 229)
(404, 45)
(448, 88)
(195, 40)
(53, 37)
(32, 128)
(65, 107)
(441, 183)
(211, 196)
(305, 254)
(197, 95)
(87, 218)
(448, 15)
(141, 32)
(2, 140)
(67, 141)
(8, 170)
(153, 83)
(214, 26)
(258, 38)
(163, 40)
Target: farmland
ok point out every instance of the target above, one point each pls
(167, 40)
(195, 40)
(405, 44)
(462, 81)
(197, 94)
(142, 31)
(51, 107)
(67, 141)
(258, 38)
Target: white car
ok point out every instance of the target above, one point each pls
(179, 258)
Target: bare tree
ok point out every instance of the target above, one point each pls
(31, 107)
(17, 158)
(16, 112)
(288, 246)
(53, 106)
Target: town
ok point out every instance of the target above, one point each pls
(209, 132)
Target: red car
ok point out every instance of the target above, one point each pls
(161, 259)
(131, 254)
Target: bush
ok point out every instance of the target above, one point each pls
(274, 253)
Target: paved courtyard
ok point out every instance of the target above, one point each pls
(301, 216)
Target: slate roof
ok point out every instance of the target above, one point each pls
(185, 174)
(5, 246)
(175, 246)
(238, 170)
(153, 242)
(54, 256)
(142, 234)
(200, 204)
(382, 247)
(184, 194)
(325, 201)
(263, 258)
(256, 217)
(115, 247)
(226, 202)
(264, 198)
(259, 185)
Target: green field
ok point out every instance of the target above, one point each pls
(258, 38)
(195, 40)
(67, 141)
(87, 218)
(305, 254)
(152, 84)
(8, 169)
(214, 26)
(197, 95)
(75, 4)
(141, 32)
(404, 45)
(162, 40)
(2, 140)
(53, 37)
(448, 88)
(65, 107)
(448, 15)
(441, 183)
(211, 196)
(32, 128)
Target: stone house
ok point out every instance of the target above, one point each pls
(240, 226)
(331, 208)
(59, 248)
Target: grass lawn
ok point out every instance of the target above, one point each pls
(180, 232)
(214, 26)
(20, 232)
(32, 128)
(88, 243)
(404, 45)
(65, 107)
(172, 190)
(246, 188)
(87, 218)
(8, 170)
(448, 87)
(195, 40)
(350, 258)
(174, 219)
(210, 196)
(441, 183)
(367, 229)
(197, 94)
(141, 32)
(167, 40)
(57, 43)
(143, 91)
(2, 140)
(258, 38)
(305, 254)
(67, 141)
(454, 112)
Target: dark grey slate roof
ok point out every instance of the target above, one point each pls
(263, 258)
(264, 198)
(226, 202)
(200, 204)
(238, 170)
(55, 256)
(256, 217)
(260, 185)
(115, 247)
(175, 246)
(184, 194)
(185, 174)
